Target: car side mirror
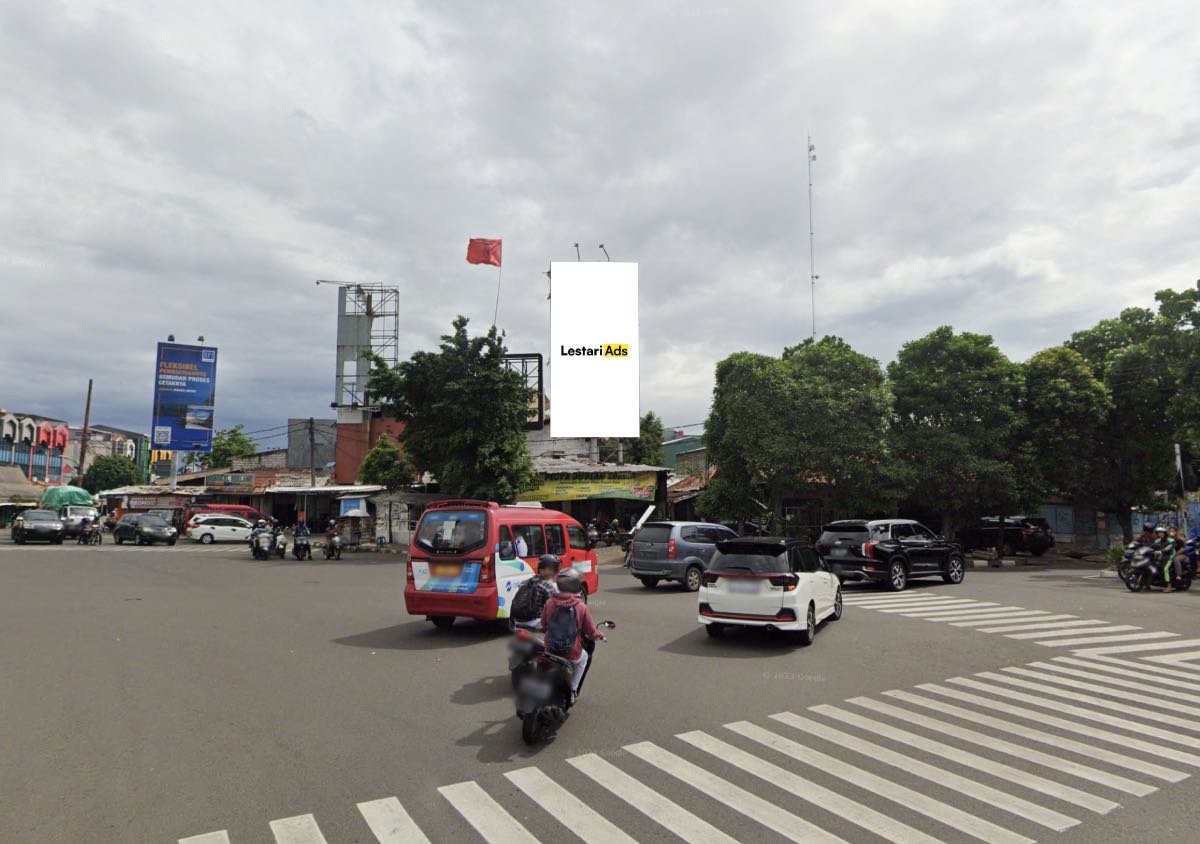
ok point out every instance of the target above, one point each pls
(507, 552)
(940, 538)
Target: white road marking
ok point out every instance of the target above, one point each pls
(955, 606)
(1028, 754)
(390, 822)
(1023, 616)
(909, 602)
(1101, 703)
(1129, 649)
(221, 837)
(493, 824)
(888, 788)
(1098, 688)
(1126, 672)
(1144, 663)
(301, 829)
(1039, 624)
(984, 615)
(1116, 681)
(1024, 731)
(1098, 627)
(797, 786)
(1098, 640)
(791, 827)
(650, 803)
(946, 606)
(1178, 659)
(973, 760)
(566, 808)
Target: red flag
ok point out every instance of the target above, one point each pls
(480, 250)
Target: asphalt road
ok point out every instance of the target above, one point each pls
(153, 694)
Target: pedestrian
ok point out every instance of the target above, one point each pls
(519, 545)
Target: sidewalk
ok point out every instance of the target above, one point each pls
(1049, 560)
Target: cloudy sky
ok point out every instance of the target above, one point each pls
(1020, 170)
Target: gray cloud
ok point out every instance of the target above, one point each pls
(1020, 170)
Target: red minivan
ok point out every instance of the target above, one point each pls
(463, 558)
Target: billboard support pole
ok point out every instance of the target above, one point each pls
(83, 440)
(174, 469)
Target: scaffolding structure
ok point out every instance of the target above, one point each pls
(368, 321)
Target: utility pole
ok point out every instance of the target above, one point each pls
(812, 261)
(83, 442)
(312, 455)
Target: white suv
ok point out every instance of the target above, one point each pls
(215, 528)
(779, 584)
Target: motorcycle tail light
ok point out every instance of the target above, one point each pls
(671, 549)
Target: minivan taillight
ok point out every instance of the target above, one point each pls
(671, 549)
(486, 571)
(408, 574)
(789, 582)
(869, 548)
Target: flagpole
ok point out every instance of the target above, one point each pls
(499, 274)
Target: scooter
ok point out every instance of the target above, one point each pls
(91, 535)
(1142, 567)
(301, 547)
(281, 545)
(542, 682)
(261, 544)
(333, 547)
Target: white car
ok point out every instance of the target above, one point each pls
(779, 584)
(215, 528)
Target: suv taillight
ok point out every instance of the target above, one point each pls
(671, 549)
(868, 549)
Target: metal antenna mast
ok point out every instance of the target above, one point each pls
(812, 261)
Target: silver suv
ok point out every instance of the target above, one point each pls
(679, 551)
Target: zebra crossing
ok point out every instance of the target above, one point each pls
(1041, 627)
(1009, 756)
(108, 546)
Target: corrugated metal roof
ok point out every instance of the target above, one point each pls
(571, 466)
(14, 484)
(365, 489)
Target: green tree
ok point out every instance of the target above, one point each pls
(956, 408)
(110, 472)
(1063, 412)
(387, 466)
(464, 413)
(227, 444)
(645, 449)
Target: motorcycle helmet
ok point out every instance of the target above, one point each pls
(569, 580)
(261, 523)
(548, 561)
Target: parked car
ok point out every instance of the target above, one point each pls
(38, 526)
(241, 511)
(72, 517)
(215, 528)
(889, 552)
(143, 529)
(1031, 534)
(678, 551)
(779, 584)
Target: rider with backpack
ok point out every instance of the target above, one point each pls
(569, 627)
(531, 598)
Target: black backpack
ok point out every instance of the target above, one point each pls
(562, 631)
(525, 602)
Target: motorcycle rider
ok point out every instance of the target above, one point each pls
(570, 585)
(542, 587)
(1175, 544)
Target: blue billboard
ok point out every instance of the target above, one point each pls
(185, 384)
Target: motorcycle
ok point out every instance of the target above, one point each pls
(91, 535)
(542, 682)
(280, 545)
(593, 534)
(301, 547)
(333, 547)
(1142, 567)
(262, 544)
(611, 537)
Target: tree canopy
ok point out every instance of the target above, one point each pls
(227, 444)
(464, 413)
(645, 449)
(110, 472)
(387, 465)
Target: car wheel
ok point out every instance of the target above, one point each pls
(715, 630)
(117, 538)
(170, 541)
(955, 570)
(837, 605)
(17, 538)
(897, 576)
(691, 580)
(442, 622)
(1009, 550)
(806, 636)
(649, 582)
(137, 539)
(207, 539)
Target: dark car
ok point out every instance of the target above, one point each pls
(144, 529)
(72, 517)
(677, 551)
(1031, 534)
(38, 526)
(889, 552)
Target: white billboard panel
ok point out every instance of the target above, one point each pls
(594, 349)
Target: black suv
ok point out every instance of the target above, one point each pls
(1021, 533)
(889, 551)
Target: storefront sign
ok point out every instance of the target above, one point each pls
(185, 381)
(145, 502)
(229, 480)
(640, 487)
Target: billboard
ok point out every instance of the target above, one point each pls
(185, 382)
(639, 487)
(594, 349)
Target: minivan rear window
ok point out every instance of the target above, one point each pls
(757, 563)
(452, 531)
(654, 533)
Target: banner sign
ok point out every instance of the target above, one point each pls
(351, 505)
(146, 502)
(185, 382)
(229, 480)
(640, 487)
(594, 349)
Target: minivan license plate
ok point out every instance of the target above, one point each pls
(445, 571)
(743, 587)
